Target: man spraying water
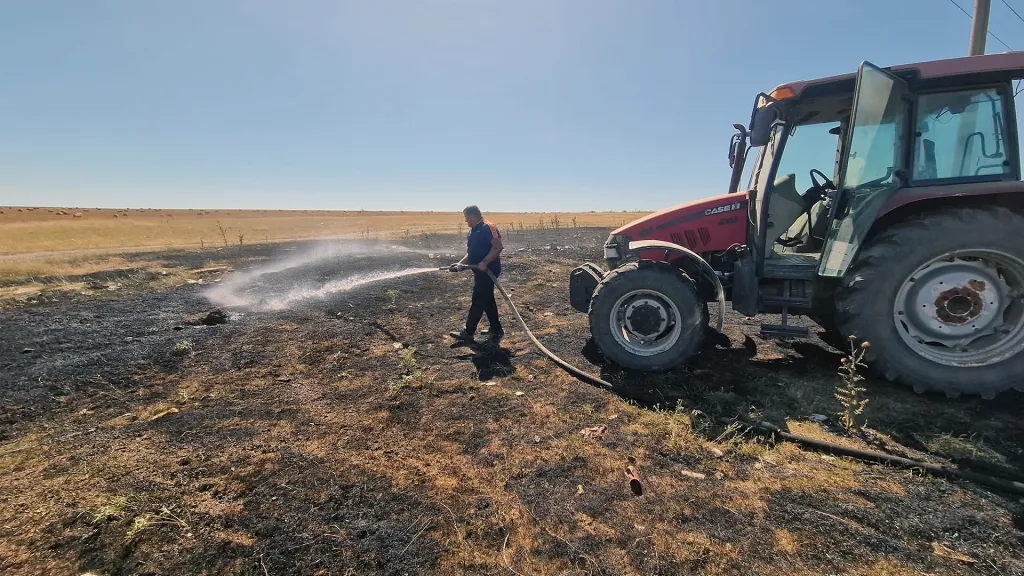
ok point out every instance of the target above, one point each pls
(483, 250)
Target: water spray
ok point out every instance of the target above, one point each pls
(261, 289)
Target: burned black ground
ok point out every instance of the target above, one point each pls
(345, 435)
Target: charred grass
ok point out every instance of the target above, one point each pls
(347, 436)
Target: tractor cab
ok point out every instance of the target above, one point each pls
(833, 155)
(887, 204)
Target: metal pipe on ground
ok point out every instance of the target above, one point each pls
(890, 459)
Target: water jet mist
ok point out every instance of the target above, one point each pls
(317, 273)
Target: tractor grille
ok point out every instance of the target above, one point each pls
(705, 236)
(692, 239)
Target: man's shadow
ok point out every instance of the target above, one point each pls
(490, 359)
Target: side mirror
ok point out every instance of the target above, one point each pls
(761, 125)
(737, 145)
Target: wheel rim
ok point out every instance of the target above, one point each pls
(645, 322)
(964, 308)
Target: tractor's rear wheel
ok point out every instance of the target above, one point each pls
(647, 316)
(941, 300)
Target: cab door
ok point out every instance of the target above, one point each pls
(871, 167)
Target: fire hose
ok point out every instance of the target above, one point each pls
(580, 374)
(765, 428)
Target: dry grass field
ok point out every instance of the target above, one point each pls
(46, 243)
(39, 230)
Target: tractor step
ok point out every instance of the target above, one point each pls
(790, 267)
(784, 331)
(794, 301)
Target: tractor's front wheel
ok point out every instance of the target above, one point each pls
(647, 316)
(941, 300)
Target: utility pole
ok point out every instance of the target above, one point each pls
(979, 27)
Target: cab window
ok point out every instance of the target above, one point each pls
(960, 135)
(809, 147)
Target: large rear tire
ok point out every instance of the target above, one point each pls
(939, 298)
(647, 316)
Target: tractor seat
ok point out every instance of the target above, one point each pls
(819, 220)
(791, 230)
(784, 210)
(807, 234)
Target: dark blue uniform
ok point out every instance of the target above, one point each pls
(478, 246)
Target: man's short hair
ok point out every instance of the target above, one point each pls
(472, 211)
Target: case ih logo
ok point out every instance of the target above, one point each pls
(720, 209)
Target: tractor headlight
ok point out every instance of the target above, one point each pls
(615, 249)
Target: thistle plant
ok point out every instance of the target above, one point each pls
(850, 394)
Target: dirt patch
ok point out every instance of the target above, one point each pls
(214, 317)
(345, 435)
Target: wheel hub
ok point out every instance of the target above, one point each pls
(646, 317)
(960, 305)
(957, 310)
(645, 322)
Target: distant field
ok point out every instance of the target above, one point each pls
(36, 231)
(40, 243)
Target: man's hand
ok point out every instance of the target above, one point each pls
(481, 267)
(454, 267)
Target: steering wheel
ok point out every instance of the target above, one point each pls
(818, 189)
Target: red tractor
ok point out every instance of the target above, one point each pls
(915, 243)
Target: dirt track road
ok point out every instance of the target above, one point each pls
(343, 434)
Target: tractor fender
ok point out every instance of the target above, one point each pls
(691, 256)
(911, 201)
(907, 200)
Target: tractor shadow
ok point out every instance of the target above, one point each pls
(727, 380)
(490, 359)
(710, 381)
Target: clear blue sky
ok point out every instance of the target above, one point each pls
(418, 104)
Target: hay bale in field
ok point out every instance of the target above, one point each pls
(115, 215)
(77, 215)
